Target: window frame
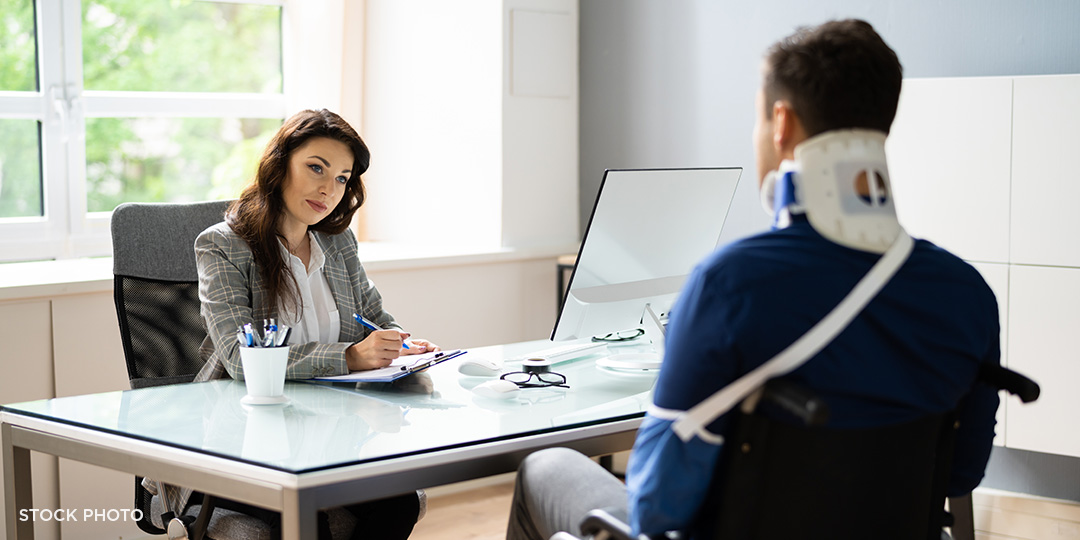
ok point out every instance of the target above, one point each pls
(61, 106)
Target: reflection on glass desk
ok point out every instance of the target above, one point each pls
(325, 426)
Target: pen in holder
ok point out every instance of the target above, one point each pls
(272, 336)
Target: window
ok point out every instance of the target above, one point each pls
(107, 101)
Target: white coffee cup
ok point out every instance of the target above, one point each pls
(264, 373)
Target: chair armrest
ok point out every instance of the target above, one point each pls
(1006, 379)
(563, 535)
(797, 400)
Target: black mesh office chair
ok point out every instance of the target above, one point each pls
(156, 291)
(155, 287)
(785, 480)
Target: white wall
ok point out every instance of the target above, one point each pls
(470, 111)
(540, 123)
(432, 120)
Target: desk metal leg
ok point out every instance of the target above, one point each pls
(299, 518)
(608, 463)
(17, 487)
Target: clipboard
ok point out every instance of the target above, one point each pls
(403, 366)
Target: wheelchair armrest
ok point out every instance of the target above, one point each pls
(797, 400)
(563, 535)
(1012, 382)
(608, 523)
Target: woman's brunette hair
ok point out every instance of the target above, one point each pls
(255, 215)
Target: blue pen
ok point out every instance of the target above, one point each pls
(373, 327)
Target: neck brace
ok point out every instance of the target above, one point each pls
(840, 180)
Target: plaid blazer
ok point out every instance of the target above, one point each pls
(232, 294)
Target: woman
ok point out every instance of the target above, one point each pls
(285, 251)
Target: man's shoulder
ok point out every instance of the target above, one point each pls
(932, 262)
(760, 255)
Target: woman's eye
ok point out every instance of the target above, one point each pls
(342, 179)
(316, 168)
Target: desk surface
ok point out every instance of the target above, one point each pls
(330, 426)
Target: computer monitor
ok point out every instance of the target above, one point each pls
(648, 229)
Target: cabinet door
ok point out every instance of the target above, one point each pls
(89, 357)
(949, 164)
(1045, 181)
(1044, 315)
(26, 364)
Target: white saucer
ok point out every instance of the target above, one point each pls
(264, 400)
(631, 361)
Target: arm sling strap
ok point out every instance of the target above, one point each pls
(694, 421)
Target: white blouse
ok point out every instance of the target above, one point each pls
(320, 320)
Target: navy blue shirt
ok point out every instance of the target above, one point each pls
(915, 349)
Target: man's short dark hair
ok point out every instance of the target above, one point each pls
(838, 75)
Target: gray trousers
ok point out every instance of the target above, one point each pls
(555, 488)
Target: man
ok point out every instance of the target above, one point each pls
(828, 93)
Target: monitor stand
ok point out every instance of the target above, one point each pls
(654, 325)
(631, 361)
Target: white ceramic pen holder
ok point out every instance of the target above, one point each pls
(264, 374)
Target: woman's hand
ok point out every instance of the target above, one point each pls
(377, 350)
(420, 346)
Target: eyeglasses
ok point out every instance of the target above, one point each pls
(545, 379)
(625, 335)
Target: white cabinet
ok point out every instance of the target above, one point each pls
(26, 364)
(1043, 323)
(983, 167)
(1045, 178)
(88, 357)
(949, 164)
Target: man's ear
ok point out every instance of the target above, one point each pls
(787, 129)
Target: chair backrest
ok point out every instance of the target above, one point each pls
(779, 480)
(155, 288)
(792, 479)
(785, 481)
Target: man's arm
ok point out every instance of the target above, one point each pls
(975, 414)
(667, 478)
(974, 439)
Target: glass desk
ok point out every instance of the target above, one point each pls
(330, 444)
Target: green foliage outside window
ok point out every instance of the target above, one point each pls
(20, 169)
(181, 46)
(148, 46)
(176, 46)
(171, 159)
(20, 162)
(18, 62)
